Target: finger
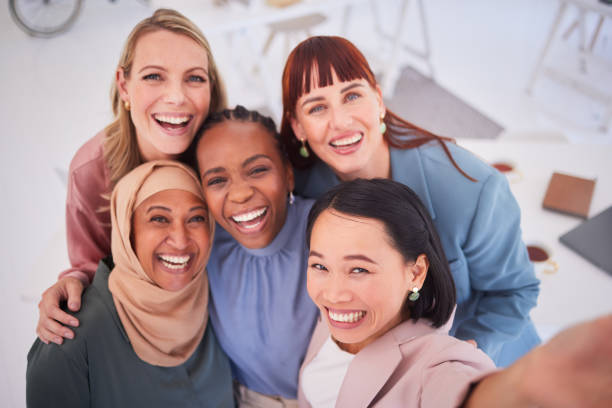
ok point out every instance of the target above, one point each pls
(55, 329)
(48, 337)
(58, 315)
(75, 290)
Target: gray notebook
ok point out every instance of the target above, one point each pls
(593, 239)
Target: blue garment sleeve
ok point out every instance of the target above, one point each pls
(499, 268)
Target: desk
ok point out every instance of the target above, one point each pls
(578, 290)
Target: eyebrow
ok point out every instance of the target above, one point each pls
(161, 207)
(253, 158)
(244, 164)
(213, 170)
(346, 258)
(159, 67)
(359, 257)
(157, 207)
(320, 98)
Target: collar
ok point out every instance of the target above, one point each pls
(407, 167)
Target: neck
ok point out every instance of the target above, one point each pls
(379, 166)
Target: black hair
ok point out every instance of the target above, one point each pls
(411, 232)
(241, 114)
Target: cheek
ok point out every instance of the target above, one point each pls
(202, 239)
(312, 286)
(214, 200)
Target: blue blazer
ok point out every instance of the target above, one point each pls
(479, 226)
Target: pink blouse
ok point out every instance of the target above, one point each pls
(87, 213)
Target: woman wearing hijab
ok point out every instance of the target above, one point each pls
(149, 343)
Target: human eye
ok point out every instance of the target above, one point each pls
(197, 219)
(158, 219)
(316, 109)
(318, 266)
(196, 78)
(215, 181)
(258, 170)
(359, 271)
(351, 96)
(152, 77)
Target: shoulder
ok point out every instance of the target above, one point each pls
(302, 207)
(88, 174)
(90, 151)
(315, 180)
(438, 165)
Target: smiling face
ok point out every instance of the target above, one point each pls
(341, 123)
(359, 287)
(168, 90)
(171, 237)
(245, 181)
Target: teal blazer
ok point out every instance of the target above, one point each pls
(479, 226)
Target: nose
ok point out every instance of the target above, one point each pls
(340, 118)
(336, 290)
(174, 93)
(240, 191)
(178, 236)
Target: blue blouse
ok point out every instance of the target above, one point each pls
(259, 307)
(479, 226)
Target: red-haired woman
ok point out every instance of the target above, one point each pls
(336, 127)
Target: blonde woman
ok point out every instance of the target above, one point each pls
(166, 83)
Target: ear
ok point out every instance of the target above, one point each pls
(417, 272)
(298, 130)
(121, 82)
(381, 103)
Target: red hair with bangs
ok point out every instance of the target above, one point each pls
(317, 58)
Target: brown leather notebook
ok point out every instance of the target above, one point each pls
(569, 194)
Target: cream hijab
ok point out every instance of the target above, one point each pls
(164, 327)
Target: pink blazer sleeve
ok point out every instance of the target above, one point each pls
(87, 214)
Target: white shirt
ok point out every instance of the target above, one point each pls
(323, 376)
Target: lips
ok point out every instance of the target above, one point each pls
(345, 319)
(173, 122)
(175, 263)
(251, 221)
(347, 144)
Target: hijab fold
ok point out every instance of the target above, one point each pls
(164, 327)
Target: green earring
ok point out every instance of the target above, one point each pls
(304, 150)
(414, 296)
(383, 126)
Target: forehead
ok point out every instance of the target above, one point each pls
(163, 47)
(233, 141)
(173, 199)
(348, 231)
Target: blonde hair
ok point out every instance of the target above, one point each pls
(121, 152)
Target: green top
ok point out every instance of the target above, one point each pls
(99, 368)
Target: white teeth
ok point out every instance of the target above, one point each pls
(251, 215)
(347, 141)
(174, 120)
(174, 262)
(346, 317)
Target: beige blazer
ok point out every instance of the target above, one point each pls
(412, 365)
